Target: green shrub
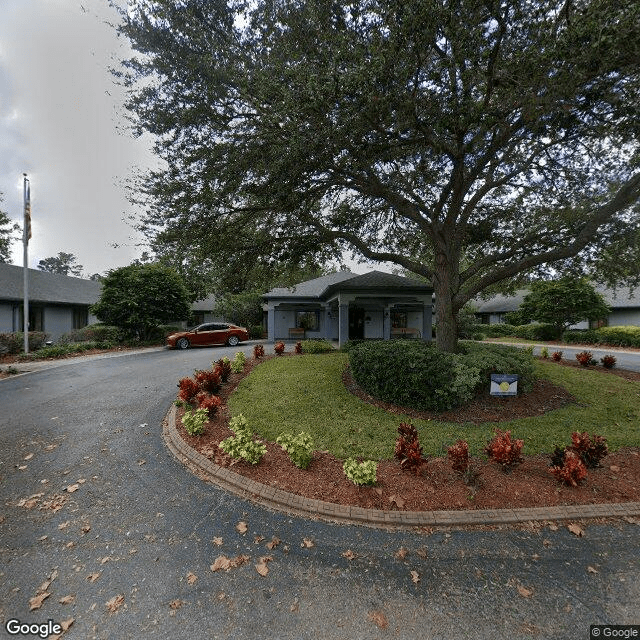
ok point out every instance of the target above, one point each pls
(628, 336)
(496, 330)
(577, 336)
(536, 332)
(414, 374)
(13, 342)
(194, 421)
(316, 346)
(350, 344)
(361, 473)
(299, 448)
(238, 362)
(242, 446)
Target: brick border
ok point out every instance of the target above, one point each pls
(291, 503)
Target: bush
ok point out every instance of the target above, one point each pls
(577, 336)
(242, 446)
(93, 333)
(351, 344)
(505, 451)
(585, 358)
(408, 449)
(258, 351)
(299, 448)
(13, 342)
(278, 347)
(194, 421)
(361, 473)
(557, 356)
(414, 374)
(208, 380)
(459, 456)
(572, 470)
(256, 331)
(628, 336)
(222, 368)
(608, 362)
(188, 389)
(590, 449)
(536, 332)
(316, 346)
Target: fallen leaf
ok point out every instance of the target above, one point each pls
(524, 592)
(397, 500)
(415, 578)
(553, 526)
(86, 528)
(241, 527)
(576, 529)
(72, 488)
(105, 559)
(221, 563)
(192, 578)
(176, 604)
(217, 542)
(81, 480)
(307, 543)
(28, 456)
(401, 553)
(591, 569)
(615, 468)
(65, 624)
(92, 577)
(142, 462)
(67, 599)
(262, 568)
(421, 552)
(22, 467)
(348, 554)
(273, 544)
(64, 525)
(258, 539)
(115, 603)
(379, 619)
(36, 601)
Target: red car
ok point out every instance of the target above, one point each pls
(207, 334)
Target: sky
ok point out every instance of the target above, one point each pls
(63, 123)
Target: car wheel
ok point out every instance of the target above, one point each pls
(233, 341)
(183, 343)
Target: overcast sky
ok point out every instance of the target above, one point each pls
(62, 123)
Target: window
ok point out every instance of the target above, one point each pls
(309, 320)
(398, 319)
(80, 317)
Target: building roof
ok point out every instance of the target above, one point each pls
(347, 281)
(616, 298)
(53, 288)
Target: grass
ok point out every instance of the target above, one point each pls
(306, 393)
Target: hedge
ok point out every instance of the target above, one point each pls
(12, 343)
(415, 374)
(622, 336)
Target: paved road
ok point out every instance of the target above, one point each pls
(91, 496)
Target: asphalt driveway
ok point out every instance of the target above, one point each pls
(97, 514)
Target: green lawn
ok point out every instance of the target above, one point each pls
(292, 394)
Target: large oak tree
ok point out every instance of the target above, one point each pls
(470, 142)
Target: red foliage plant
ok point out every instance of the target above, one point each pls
(298, 347)
(408, 449)
(223, 369)
(258, 351)
(608, 362)
(459, 456)
(584, 358)
(572, 471)
(210, 403)
(279, 348)
(505, 451)
(189, 388)
(208, 380)
(557, 356)
(590, 449)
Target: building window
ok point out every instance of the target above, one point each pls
(80, 317)
(309, 320)
(398, 319)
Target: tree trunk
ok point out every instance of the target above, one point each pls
(446, 311)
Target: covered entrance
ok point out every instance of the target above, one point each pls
(356, 323)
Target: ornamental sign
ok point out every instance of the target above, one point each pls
(504, 384)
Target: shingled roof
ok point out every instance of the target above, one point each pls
(51, 288)
(346, 281)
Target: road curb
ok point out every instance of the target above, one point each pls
(290, 503)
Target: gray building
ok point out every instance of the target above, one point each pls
(345, 306)
(57, 303)
(624, 304)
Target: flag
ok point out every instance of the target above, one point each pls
(27, 209)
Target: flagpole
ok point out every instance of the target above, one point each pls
(26, 232)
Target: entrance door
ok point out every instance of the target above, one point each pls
(356, 323)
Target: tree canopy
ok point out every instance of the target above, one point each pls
(563, 302)
(63, 263)
(471, 143)
(141, 297)
(6, 237)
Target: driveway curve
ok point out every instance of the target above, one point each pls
(101, 526)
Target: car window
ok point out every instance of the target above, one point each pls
(220, 327)
(206, 327)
